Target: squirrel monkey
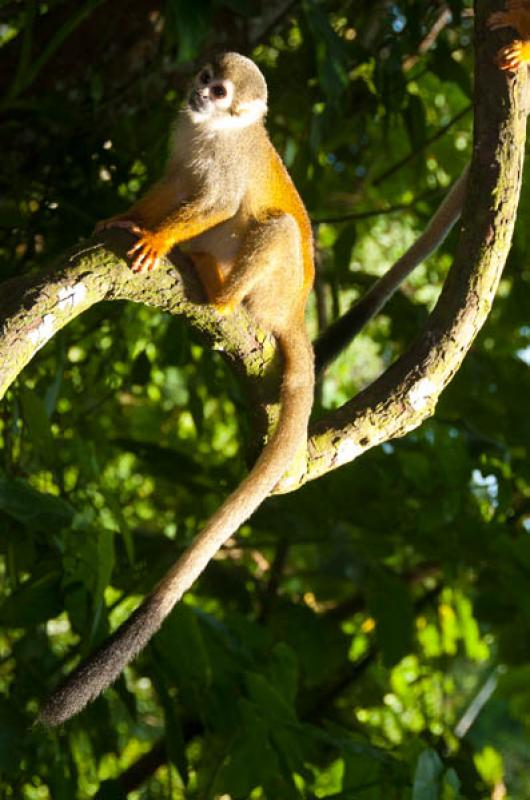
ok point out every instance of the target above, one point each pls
(228, 199)
(517, 15)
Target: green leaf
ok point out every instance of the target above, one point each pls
(174, 737)
(329, 50)
(415, 121)
(181, 649)
(63, 780)
(35, 601)
(253, 760)
(270, 702)
(36, 418)
(111, 790)
(175, 345)
(283, 671)
(447, 69)
(343, 247)
(427, 777)
(451, 785)
(319, 645)
(24, 503)
(166, 461)
(12, 728)
(390, 604)
(141, 370)
(186, 24)
(105, 562)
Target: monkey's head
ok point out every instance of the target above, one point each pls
(228, 92)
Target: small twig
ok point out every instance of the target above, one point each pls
(442, 21)
(421, 147)
(376, 212)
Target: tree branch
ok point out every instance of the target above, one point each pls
(33, 309)
(407, 392)
(345, 329)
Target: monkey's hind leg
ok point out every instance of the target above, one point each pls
(209, 273)
(268, 270)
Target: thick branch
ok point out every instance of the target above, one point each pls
(407, 393)
(35, 307)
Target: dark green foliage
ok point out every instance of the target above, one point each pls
(338, 647)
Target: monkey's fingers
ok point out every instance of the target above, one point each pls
(147, 261)
(137, 264)
(510, 57)
(140, 251)
(145, 256)
(141, 261)
(140, 245)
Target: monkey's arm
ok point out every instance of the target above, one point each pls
(185, 223)
(160, 223)
(156, 204)
(517, 15)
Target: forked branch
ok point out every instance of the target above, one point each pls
(33, 309)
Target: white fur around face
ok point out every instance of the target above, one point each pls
(243, 115)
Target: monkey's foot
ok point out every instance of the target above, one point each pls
(226, 301)
(225, 308)
(147, 251)
(513, 55)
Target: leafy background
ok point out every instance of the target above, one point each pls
(367, 637)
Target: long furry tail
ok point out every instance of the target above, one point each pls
(106, 663)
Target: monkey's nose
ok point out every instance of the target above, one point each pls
(198, 100)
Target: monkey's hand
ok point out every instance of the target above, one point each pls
(149, 248)
(147, 251)
(513, 55)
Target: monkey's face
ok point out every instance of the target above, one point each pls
(228, 93)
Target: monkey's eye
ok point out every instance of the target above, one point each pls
(219, 90)
(204, 77)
